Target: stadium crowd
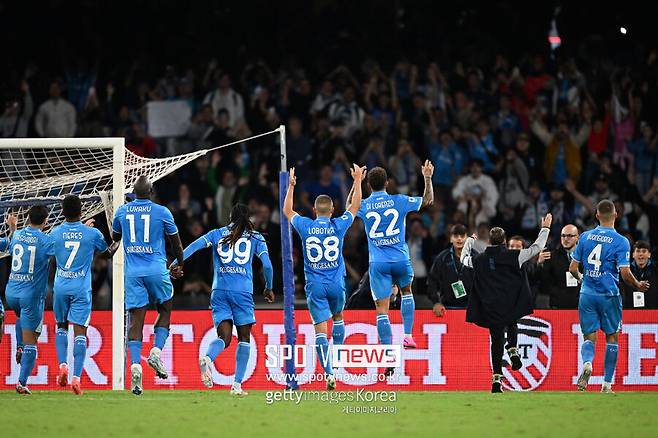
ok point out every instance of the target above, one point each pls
(510, 141)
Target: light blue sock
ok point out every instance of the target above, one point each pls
(322, 349)
(338, 332)
(384, 330)
(27, 363)
(62, 345)
(610, 361)
(215, 347)
(241, 359)
(79, 354)
(587, 351)
(19, 334)
(407, 308)
(161, 335)
(135, 349)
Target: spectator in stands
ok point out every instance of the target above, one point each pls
(300, 149)
(224, 198)
(644, 151)
(225, 97)
(404, 167)
(348, 111)
(324, 185)
(140, 143)
(185, 207)
(56, 116)
(476, 195)
(562, 159)
(530, 157)
(506, 123)
(512, 186)
(420, 250)
(644, 269)
(448, 276)
(556, 280)
(482, 147)
(17, 113)
(448, 160)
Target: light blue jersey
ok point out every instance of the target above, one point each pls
(143, 225)
(75, 246)
(30, 250)
(602, 251)
(384, 218)
(232, 264)
(322, 244)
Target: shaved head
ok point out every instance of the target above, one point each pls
(324, 205)
(605, 211)
(143, 187)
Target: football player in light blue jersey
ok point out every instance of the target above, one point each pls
(74, 245)
(11, 221)
(390, 264)
(143, 224)
(324, 267)
(232, 301)
(603, 253)
(30, 249)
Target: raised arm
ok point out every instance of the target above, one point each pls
(539, 244)
(356, 195)
(290, 194)
(428, 194)
(466, 258)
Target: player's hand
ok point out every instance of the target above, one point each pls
(269, 295)
(292, 180)
(90, 222)
(547, 220)
(12, 222)
(439, 310)
(427, 169)
(175, 271)
(644, 286)
(474, 236)
(543, 256)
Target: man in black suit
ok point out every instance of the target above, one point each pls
(501, 294)
(556, 280)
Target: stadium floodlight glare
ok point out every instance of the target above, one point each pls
(42, 171)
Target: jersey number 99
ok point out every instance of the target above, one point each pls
(239, 252)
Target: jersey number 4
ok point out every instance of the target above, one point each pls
(594, 257)
(391, 230)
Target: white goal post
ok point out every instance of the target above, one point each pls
(42, 171)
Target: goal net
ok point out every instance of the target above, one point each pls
(101, 171)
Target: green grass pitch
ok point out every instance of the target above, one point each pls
(217, 414)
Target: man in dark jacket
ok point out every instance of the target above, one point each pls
(443, 287)
(501, 294)
(644, 269)
(556, 281)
